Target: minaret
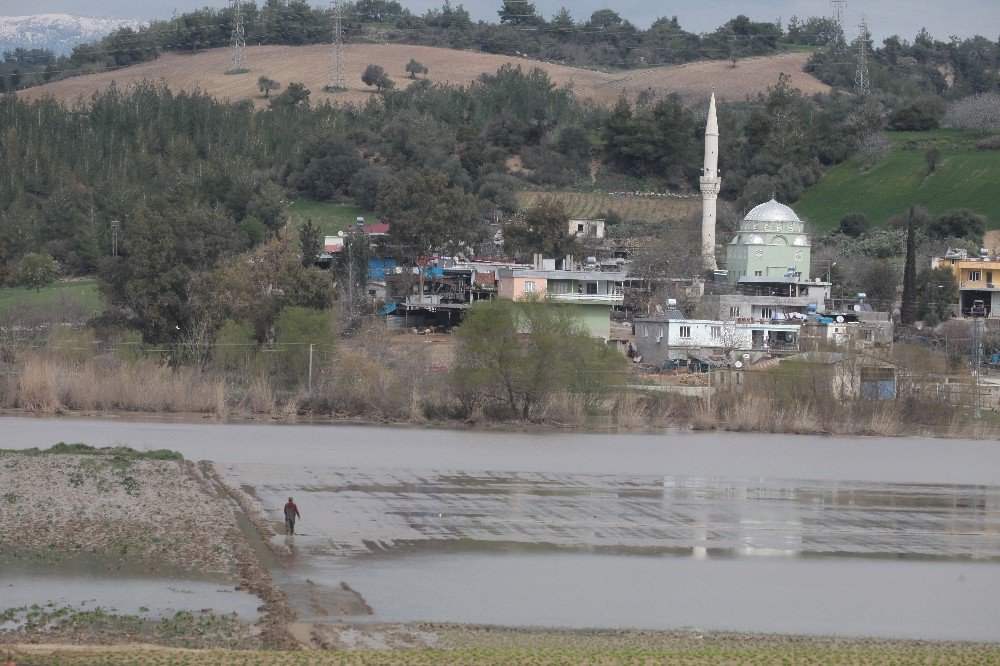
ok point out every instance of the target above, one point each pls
(710, 184)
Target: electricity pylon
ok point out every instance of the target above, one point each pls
(239, 39)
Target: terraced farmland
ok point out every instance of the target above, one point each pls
(587, 205)
(965, 178)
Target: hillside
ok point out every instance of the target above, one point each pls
(311, 65)
(965, 178)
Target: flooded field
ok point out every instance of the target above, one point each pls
(132, 593)
(861, 537)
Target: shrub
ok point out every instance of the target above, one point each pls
(989, 143)
(854, 224)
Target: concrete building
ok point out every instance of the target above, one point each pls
(586, 228)
(561, 282)
(849, 376)
(660, 339)
(977, 278)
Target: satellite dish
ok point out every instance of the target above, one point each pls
(857, 308)
(738, 364)
(840, 319)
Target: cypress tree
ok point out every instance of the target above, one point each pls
(908, 313)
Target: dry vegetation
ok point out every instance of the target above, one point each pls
(310, 65)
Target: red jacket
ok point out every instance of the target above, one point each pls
(290, 508)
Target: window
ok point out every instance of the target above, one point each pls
(591, 288)
(579, 228)
(645, 331)
(685, 332)
(975, 276)
(560, 287)
(716, 332)
(759, 273)
(529, 286)
(734, 311)
(767, 313)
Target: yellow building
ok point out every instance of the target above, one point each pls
(978, 279)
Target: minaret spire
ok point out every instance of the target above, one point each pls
(710, 184)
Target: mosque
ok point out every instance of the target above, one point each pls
(770, 253)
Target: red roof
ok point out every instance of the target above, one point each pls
(378, 229)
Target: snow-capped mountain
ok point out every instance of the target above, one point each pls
(56, 32)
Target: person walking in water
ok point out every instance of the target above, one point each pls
(291, 513)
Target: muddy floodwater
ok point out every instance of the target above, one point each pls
(791, 534)
(86, 586)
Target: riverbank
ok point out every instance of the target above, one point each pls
(420, 644)
(676, 420)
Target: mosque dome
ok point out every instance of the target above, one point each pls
(772, 211)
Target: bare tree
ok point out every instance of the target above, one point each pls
(875, 147)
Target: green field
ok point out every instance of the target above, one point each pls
(330, 217)
(965, 178)
(82, 292)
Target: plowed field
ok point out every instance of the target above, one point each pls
(310, 65)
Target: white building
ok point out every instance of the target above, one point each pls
(586, 228)
(659, 339)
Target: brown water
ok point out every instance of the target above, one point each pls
(853, 536)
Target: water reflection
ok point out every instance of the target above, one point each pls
(358, 511)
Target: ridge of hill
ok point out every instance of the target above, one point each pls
(964, 178)
(58, 33)
(310, 65)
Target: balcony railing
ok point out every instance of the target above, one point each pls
(584, 298)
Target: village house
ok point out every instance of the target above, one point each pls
(591, 291)
(586, 228)
(977, 278)
(847, 375)
(660, 339)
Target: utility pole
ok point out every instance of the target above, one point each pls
(310, 367)
(239, 40)
(977, 363)
(862, 84)
(115, 226)
(337, 47)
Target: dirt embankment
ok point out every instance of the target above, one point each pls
(206, 71)
(119, 507)
(113, 506)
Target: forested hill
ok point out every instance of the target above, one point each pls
(604, 41)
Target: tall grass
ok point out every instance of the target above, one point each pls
(52, 385)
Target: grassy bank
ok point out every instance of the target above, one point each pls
(83, 293)
(959, 181)
(329, 217)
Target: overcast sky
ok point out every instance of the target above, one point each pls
(885, 17)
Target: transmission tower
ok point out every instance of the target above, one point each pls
(837, 46)
(862, 86)
(239, 40)
(337, 46)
